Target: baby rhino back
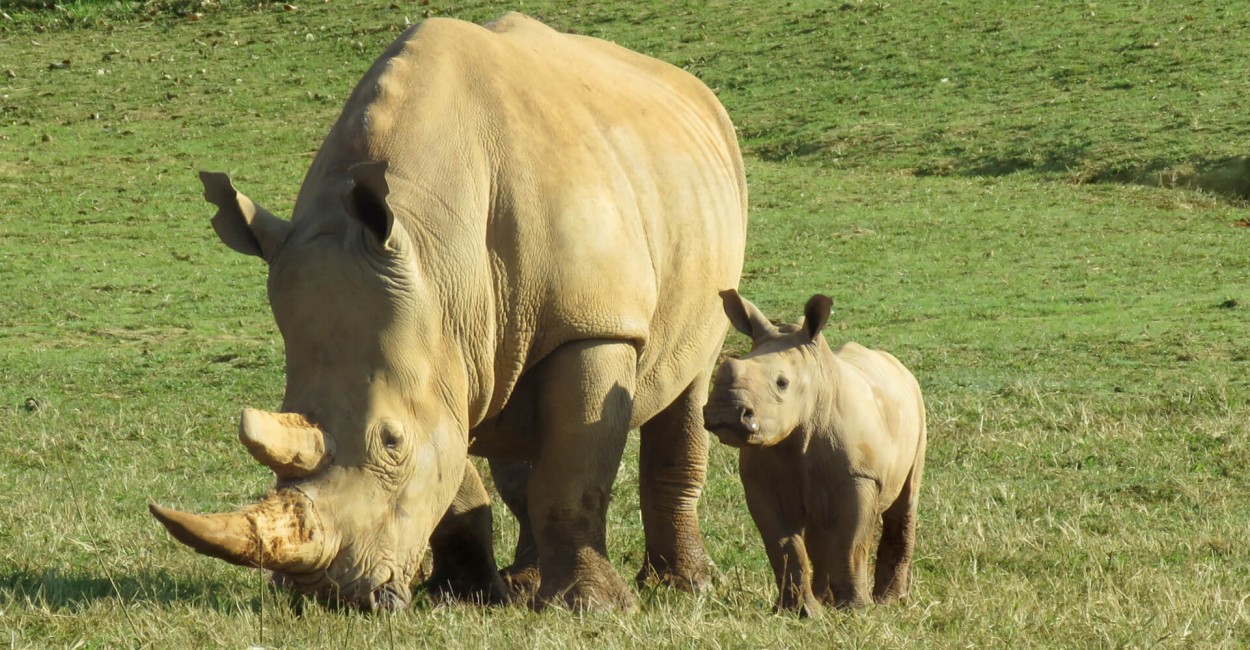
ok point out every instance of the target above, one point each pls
(831, 447)
(877, 417)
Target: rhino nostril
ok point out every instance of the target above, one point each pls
(385, 599)
(747, 417)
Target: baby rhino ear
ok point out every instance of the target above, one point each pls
(744, 316)
(241, 224)
(816, 314)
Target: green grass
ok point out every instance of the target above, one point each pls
(936, 167)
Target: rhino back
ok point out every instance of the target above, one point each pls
(881, 415)
(556, 188)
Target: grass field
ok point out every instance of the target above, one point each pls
(1003, 194)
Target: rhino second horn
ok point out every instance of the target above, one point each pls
(281, 533)
(287, 443)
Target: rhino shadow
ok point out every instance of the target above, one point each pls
(76, 591)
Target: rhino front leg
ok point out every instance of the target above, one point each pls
(773, 496)
(672, 470)
(512, 480)
(840, 542)
(463, 548)
(584, 405)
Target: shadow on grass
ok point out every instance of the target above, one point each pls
(1046, 160)
(1055, 161)
(1227, 177)
(74, 592)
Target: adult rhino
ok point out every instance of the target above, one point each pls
(510, 244)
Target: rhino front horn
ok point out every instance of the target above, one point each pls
(280, 532)
(287, 443)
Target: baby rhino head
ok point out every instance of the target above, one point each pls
(760, 399)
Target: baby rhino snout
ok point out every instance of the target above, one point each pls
(732, 420)
(729, 412)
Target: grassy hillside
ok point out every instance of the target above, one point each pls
(1085, 90)
(983, 187)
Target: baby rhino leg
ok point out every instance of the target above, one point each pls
(773, 498)
(839, 543)
(898, 542)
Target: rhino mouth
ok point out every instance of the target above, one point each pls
(735, 436)
(734, 425)
(389, 596)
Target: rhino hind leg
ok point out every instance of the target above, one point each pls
(463, 550)
(898, 541)
(585, 400)
(672, 470)
(511, 479)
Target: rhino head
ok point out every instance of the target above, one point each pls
(759, 399)
(371, 442)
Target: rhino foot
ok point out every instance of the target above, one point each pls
(805, 607)
(693, 576)
(522, 582)
(601, 590)
(844, 602)
(583, 598)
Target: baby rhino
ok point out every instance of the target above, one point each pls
(831, 442)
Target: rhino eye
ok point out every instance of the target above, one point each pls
(783, 383)
(392, 436)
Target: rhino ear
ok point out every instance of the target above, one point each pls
(816, 314)
(241, 224)
(366, 200)
(744, 316)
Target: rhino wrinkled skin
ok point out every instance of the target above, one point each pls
(510, 244)
(831, 445)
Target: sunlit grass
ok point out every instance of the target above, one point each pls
(1081, 345)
